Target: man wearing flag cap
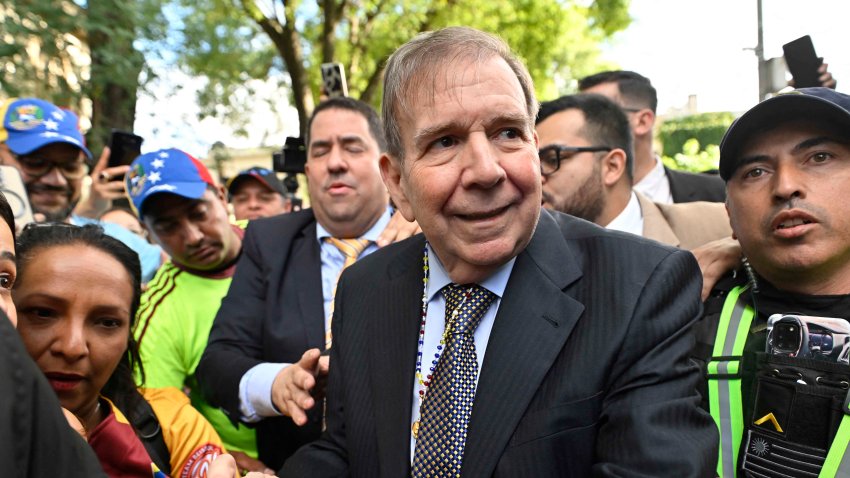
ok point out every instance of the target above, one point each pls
(44, 143)
(184, 211)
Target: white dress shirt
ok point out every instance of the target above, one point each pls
(656, 185)
(630, 219)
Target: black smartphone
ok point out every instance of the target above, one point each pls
(803, 62)
(333, 78)
(124, 147)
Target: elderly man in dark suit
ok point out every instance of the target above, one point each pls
(507, 341)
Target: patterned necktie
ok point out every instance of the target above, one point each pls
(448, 403)
(351, 249)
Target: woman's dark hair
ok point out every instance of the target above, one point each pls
(121, 386)
(7, 214)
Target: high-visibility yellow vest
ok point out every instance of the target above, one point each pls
(724, 391)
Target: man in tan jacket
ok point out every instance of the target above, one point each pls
(586, 160)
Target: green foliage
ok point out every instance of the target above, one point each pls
(231, 41)
(76, 54)
(693, 159)
(37, 57)
(706, 128)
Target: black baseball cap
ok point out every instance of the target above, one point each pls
(266, 177)
(822, 104)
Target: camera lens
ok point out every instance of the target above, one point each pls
(786, 337)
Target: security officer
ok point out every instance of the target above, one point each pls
(775, 337)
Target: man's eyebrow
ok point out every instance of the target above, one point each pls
(7, 255)
(319, 143)
(440, 128)
(353, 138)
(511, 118)
(756, 158)
(436, 130)
(817, 141)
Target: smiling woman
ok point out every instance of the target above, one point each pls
(77, 295)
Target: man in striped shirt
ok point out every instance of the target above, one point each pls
(185, 211)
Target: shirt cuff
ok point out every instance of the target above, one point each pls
(255, 392)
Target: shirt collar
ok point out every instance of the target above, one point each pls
(370, 235)
(630, 218)
(655, 184)
(439, 278)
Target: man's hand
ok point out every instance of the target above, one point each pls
(106, 185)
(397, 229)
(825, 79)
(224, 466)
(246, 463)
(715, 259)
(299, 386)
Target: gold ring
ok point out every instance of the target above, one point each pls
(104, 177)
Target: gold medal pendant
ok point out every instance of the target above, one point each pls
(415, 429)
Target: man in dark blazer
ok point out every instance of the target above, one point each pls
(583, 349)
(638, 99)
(277, 307)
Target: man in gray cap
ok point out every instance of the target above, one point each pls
(775, 336)
(257, 192)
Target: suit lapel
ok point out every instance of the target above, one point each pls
(392, 352)
(655, 225)
(678, 191)
(305, 251)
(535, 318)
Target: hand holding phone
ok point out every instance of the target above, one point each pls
(108, 174)
(803, 62)
(124, 147)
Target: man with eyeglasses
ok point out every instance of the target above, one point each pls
(637, 97)
(44, 143)
(586, 163)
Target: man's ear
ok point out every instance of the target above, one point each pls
(221, 193)
(645, 121)
(613, 167)
(731, 224)
(391, 172)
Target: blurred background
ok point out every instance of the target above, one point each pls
(229, 80)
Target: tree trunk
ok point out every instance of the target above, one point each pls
(287, 41)
(115, 69)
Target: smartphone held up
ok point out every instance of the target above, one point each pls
(803, 62)
(124, 147)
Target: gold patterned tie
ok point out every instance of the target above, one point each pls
(351, 249)
(448, 403)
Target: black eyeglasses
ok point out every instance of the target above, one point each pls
(551, 156)
(38, 167)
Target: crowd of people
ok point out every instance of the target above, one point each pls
(483, 285)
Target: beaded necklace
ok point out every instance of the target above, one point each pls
(424, 381)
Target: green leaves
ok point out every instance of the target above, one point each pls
(228, 41)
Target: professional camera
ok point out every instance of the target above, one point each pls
(823, 338)
(292, 158)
